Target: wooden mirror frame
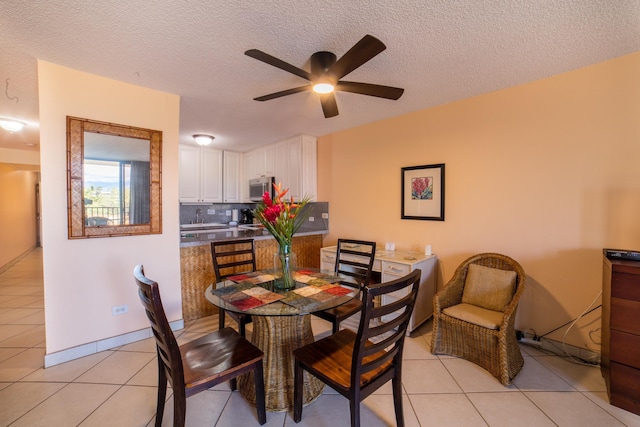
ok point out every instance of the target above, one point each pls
(76, 127)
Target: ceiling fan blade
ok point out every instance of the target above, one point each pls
(283, 93)
(329, 105)
(388, 92)
(361, 52)
(278, 63)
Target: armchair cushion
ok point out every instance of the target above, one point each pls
(489, 288)
(489, 319)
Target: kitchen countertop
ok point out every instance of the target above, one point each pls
(204, 237)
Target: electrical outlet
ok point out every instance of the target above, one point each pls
(311, 219)
(116, 310)
(211, 211)
(228, 213)
(325, 215)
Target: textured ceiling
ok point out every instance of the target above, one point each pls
(439, 51)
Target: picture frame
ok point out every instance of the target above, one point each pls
(422, 191)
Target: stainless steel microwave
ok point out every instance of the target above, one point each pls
(258, 186)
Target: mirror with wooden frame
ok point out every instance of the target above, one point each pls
(114, 179)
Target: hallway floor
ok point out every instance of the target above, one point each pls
(118, 387)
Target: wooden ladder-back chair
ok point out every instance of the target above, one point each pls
(474, 314)
(357, 364)
(199, 364)
(354, 258)
(230, 258)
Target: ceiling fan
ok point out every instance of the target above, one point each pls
(326, 73)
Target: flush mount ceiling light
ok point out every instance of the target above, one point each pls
(11, 125)
(202, 139)
(323, 88)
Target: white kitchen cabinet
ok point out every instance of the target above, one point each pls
(281, 162)
(394, 265)
(257, 164)
(302, 167)
(232, 182)
(249, 164)
(189, 173)
(260, 162)
(269, 160)
(211, 175)
(293, 162)
(200, 174)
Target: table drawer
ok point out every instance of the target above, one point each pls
(625, 348)
(625, 315)
(626, 286)
(624, 387)
(395, 269)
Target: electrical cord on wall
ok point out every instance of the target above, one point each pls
(564, 337)
(591, 336)
(572, 324)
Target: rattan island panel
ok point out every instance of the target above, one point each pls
(196, 269)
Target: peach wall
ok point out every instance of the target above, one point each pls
(546, 172)
(17, 212)
(85, 278)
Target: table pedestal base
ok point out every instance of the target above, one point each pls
(277, 337)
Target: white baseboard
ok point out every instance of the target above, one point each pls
(73, 353)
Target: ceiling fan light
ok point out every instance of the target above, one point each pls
(11, 125)
(323, 88)
(202, 139)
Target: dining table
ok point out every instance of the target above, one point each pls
(281, 323)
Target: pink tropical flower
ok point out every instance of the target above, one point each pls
(281, 217)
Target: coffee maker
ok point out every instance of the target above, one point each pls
(247, 216)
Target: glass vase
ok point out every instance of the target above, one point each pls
(284, 264)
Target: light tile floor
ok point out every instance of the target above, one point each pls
(118, 387)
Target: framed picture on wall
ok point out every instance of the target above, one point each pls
(423, 192)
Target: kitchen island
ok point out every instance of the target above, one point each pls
(196, 265)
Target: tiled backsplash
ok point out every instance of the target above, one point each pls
(217, 212)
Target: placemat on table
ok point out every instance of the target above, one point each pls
(252, 278)
(315, 278)
(247, 297)
(311, 296)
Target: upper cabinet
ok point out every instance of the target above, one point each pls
(302, 167)
(208, 175)
(292, 162)
(200, 174)
(232, 177)
(260, 162)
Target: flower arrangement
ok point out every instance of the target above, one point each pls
(281, 217)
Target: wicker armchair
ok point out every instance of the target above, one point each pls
(492, 346)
